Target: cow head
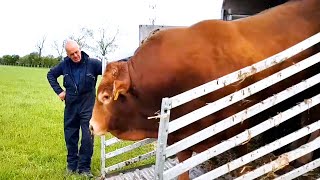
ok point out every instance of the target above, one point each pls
(117, 108)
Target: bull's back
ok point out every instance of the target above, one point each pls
(237, 44)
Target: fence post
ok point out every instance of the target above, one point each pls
(229, 16)
(162, 138)
(103, 156)
(103, 138)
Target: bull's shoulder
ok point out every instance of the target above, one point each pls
(215, 27)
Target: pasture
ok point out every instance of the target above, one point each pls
(31, 133)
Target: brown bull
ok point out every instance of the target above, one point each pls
(175, 60)
(307, 117)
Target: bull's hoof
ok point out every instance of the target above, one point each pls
(297, 164)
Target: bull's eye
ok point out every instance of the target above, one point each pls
(122, 98)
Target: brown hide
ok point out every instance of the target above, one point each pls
(175, 60)
(307, 117)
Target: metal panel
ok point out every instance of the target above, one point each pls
(103, 146)
(260, 152)
(249, 7)
(130, 161)
(300, 171)
(241, 116)
(111, 141)
(283, 160)
(146, 173)
(103, 155)
(241, 94)
(242, 73)
(162, 137)
(129, 148)
(146, 30)
(240, 138)
(104, 62)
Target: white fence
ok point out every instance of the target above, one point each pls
(163, 151)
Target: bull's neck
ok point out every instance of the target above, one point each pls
(146, 99)
(130, 72)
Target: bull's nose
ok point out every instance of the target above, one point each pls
(91, 129)
(96, 129)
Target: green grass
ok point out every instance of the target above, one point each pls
(31, 132)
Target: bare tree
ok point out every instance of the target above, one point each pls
(40, 45)
(105, 43)
(83, 37)
(153, 16)
(59, 47)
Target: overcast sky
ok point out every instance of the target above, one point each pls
(25, 22)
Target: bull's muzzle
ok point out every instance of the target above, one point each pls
(91, 129)
(95, 128)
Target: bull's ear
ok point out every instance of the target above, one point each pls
(121, 84)
(104, 97)
(119, 87)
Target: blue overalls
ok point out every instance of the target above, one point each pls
(79, 80)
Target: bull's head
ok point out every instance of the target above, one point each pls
(116, 108)
(115, 82)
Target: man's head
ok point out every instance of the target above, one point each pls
(73, 51)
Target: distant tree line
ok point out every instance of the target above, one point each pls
(102, 43)
(31, 60)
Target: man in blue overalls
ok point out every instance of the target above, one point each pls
(79, 79)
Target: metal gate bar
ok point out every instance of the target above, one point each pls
(240, 138)
(217, 172)
(283, 160)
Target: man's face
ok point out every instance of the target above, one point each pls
(74, 54)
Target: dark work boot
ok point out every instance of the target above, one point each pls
(87, 174)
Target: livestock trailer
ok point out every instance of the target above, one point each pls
(167, 167)
(235, 9)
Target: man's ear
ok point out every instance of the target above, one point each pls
(121, 84)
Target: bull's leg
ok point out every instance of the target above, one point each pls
(305, 119)
(295, 145)
(298, 143)
(242, 149)
(308, 157)
(182, 156)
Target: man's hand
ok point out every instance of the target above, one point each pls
(62, 95)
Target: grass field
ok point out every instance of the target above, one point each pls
(31, 133)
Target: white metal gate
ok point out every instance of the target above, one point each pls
(163, 151)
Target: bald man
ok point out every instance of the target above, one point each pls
(79, 80)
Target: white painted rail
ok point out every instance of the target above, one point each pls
(111, 141)
(240, 138)
(130, 161)
(300, 171)
(129, 148)
(241, 116)
(241, 94)
(282, 161)
(260, 152)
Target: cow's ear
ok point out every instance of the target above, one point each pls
(104, 97)
(119, 87)
(121, 84)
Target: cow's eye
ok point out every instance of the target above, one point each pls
(122, 98)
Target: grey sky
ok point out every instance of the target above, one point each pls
(24, 23)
